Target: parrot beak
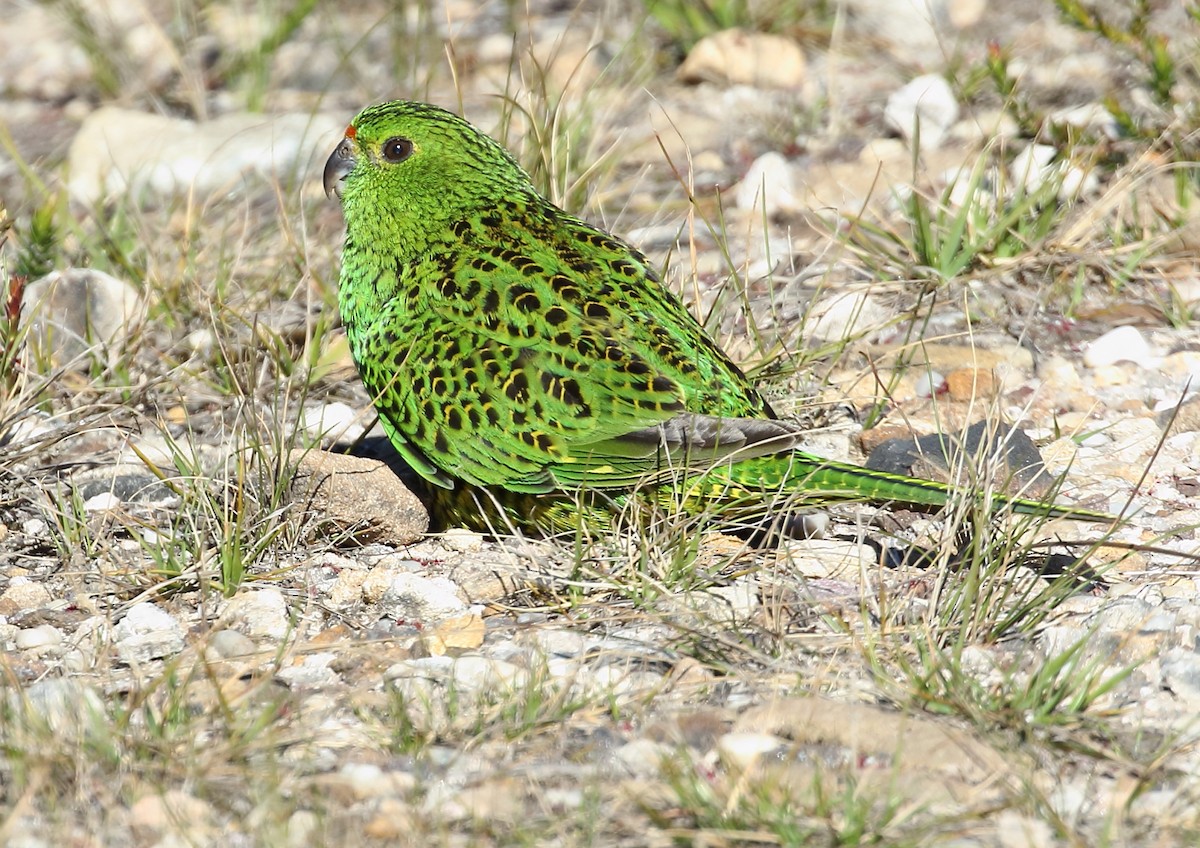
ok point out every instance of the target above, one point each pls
(340, 163)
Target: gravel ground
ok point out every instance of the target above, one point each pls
(224, 619)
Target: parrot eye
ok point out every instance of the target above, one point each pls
(397, 149)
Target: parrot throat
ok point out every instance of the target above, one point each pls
(383, 244)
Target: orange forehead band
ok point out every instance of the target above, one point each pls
(351, 131)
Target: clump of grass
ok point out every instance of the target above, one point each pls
(991, 585)
(562, 120)
(193, 72)
(979, 220)
(253, 65)
(39, 247)
(1062, 693)
(1136, 39)
(68, 749)
(25, 388)
(684, 22)
(10, 321)
(780, 806)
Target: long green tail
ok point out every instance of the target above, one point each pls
(747, 490)
(812, 480)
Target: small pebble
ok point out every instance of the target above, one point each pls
(742, 750)
(258, 613)
(313, 672)
(924, 107)
(334, 422)
(23, 595)
(475, 673)
(412, 597)
(303, 829)
(1121, 344)
(643, 757)
(224, 644)
(70, 709)
(39, 639)
(769, 185)
(929, 384)
(147, 633)
(103, 502)
(462, 540)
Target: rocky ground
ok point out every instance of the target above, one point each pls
(224, 620)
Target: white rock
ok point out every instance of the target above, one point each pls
(40, 639)
(154, 157)
(312, 673)
(1121, 344)
(413, 597)
(146, 633)
(473, 673)
(103, 502)
(620, 682)
(643, 757)
(74, 661)
(1033, 166)
(929, 384)
(811, 525)
(1093, 117)
(1160, 621)
(258, 613)
(1077, 182)
(824, 558)
(224, 644)
(739, 599)
(742, 750)
(925, 107)
(739, 57)
(769, 185)
(347, 590)
(334, 422)
(1123, 615)
(70, 709)
(367, 780)
(200, 341)
(563, 798)
(303, 829)
(92, 638)
(77, 310)
(564, 668)
(843, 316)
(462, 540)
(430, 668)
(33, 425)
(555, 641)
(24, 595)
(970, 188)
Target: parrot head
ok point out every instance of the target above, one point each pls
(418, 155)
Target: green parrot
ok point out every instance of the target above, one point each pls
(522, 358)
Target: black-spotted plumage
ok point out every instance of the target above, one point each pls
(512, 347)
